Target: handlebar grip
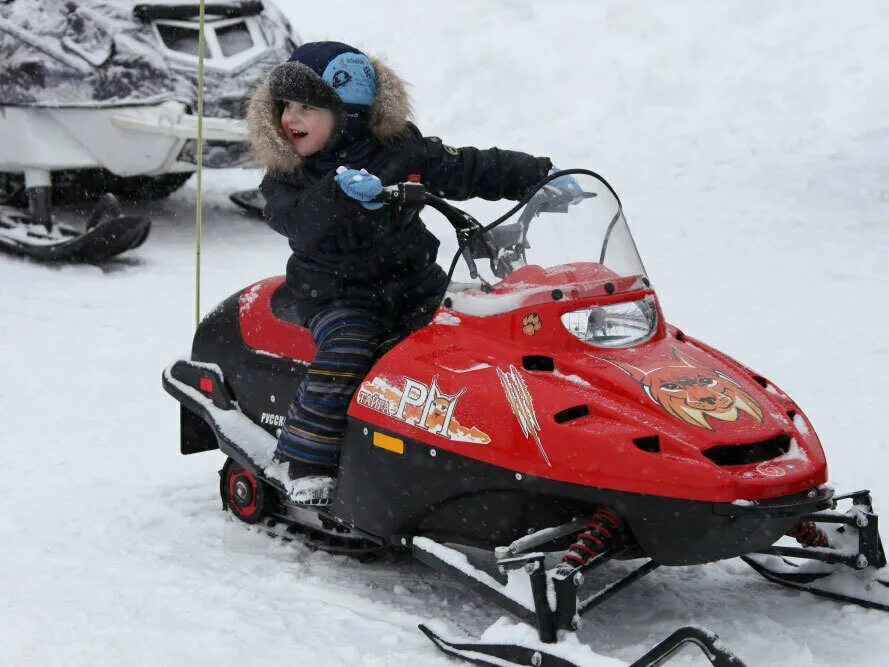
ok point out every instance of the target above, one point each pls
(414, 196)
(411, 195)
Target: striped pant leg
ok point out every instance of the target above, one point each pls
(347, 342)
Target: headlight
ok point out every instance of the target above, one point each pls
(615, 325)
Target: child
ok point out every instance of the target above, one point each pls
(359, 276)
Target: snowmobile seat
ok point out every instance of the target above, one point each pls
(283, 304)
(267, 321)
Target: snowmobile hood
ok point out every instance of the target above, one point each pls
(104, 54)
(669, 417)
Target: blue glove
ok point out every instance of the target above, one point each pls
(360, 185)
(564, 187)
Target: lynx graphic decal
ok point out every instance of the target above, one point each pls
(692, 391)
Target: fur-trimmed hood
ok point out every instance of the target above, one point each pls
(389, 116)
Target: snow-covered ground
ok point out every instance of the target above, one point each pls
(750, 144)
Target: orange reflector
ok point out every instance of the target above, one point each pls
(388, 443)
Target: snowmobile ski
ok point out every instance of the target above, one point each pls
(845, 560)
(548, 599)
(250, 200)
(865, 589)
(500, 655)
(108, 233)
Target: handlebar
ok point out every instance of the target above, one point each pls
(504, 246)
(414, 196)
(410, 197)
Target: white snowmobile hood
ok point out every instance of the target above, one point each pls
(99, 54)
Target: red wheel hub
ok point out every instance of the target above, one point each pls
(242, 491)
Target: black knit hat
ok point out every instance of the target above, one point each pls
(329, 75)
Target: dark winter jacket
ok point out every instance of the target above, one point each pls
(344, 254)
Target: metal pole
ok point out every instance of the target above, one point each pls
(199, 156)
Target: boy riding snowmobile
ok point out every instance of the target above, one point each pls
(331, 126)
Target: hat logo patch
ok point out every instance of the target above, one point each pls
(341, 78)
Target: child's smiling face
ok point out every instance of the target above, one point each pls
(308, 128)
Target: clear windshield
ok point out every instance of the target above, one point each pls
(552, 229)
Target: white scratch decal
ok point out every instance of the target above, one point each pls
(522, 406)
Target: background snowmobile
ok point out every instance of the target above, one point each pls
(547, 422)
(97, 101)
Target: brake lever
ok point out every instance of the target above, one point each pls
(464, 238)
(470, 262)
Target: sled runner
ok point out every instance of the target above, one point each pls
(108, 233)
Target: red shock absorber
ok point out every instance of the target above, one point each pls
(809, 535)
(602, 531)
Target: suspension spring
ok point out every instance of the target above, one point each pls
(602, 531)
(809, 535)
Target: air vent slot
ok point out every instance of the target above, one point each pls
(534, 362)
(755, 452)
(573, 412)
(761, 381)
(650, 443)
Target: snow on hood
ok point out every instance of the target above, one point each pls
(98, 54)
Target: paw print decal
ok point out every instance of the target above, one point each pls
(531, 324)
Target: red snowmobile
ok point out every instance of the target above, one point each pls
(546, 422)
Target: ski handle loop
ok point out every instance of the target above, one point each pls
(714, 651)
